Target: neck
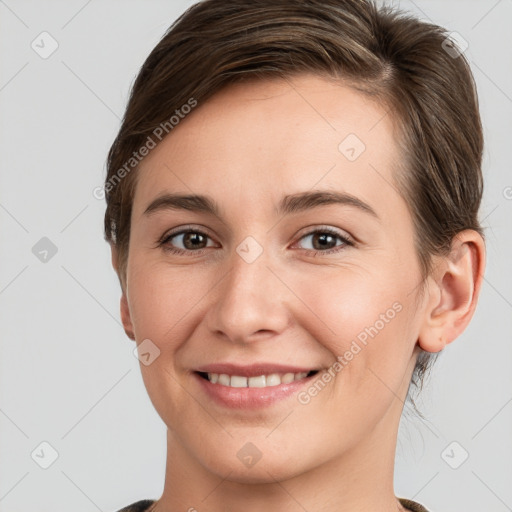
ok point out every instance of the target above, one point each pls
(358, 480)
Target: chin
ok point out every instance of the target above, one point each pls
(263, 472)
(248, 465)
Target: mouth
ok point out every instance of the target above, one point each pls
(251, 387)
(256, 381)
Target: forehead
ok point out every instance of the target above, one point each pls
(262, 139)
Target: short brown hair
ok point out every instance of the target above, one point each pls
(406, 64)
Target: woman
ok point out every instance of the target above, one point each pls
(292, 207)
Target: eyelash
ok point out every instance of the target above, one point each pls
(347, 242)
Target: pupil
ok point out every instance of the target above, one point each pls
(194, 238)
(322, 239)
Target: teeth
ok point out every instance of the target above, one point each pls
(287, 377)
(273, 379)
(238, 382)
(261, 381)
(224, 379)
(256, 382)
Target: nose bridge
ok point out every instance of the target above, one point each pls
(249, 300)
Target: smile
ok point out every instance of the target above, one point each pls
(251, 387)
(258, 381)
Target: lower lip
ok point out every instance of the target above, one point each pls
(251, 398)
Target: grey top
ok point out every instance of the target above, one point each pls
(143, 506)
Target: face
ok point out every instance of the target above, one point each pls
(299, 258)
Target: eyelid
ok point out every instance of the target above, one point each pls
(347, 239)
(183, 229)
(303, 232)
(325, 228)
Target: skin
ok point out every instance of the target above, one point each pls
(247, 147)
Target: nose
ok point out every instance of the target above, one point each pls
(250, 303)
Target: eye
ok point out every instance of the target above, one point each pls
(189, 240)
(185, 240)
(324, 240)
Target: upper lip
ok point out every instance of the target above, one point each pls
(252, 370)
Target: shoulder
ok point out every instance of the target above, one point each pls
(139, 506)
(412, 505)
(143, 505)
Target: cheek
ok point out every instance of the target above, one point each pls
(365, 320)
(161, 298)
(346, 301)
(359, 316)
(163, 302)
(335, 306)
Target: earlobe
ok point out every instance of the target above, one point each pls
(453, 292)
(124, 308)
(126, 318)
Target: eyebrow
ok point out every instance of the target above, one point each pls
(290, 204)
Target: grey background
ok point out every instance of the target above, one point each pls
(67, 372)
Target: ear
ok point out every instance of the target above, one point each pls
(126, 318)
(453, 292)
(124, 308)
